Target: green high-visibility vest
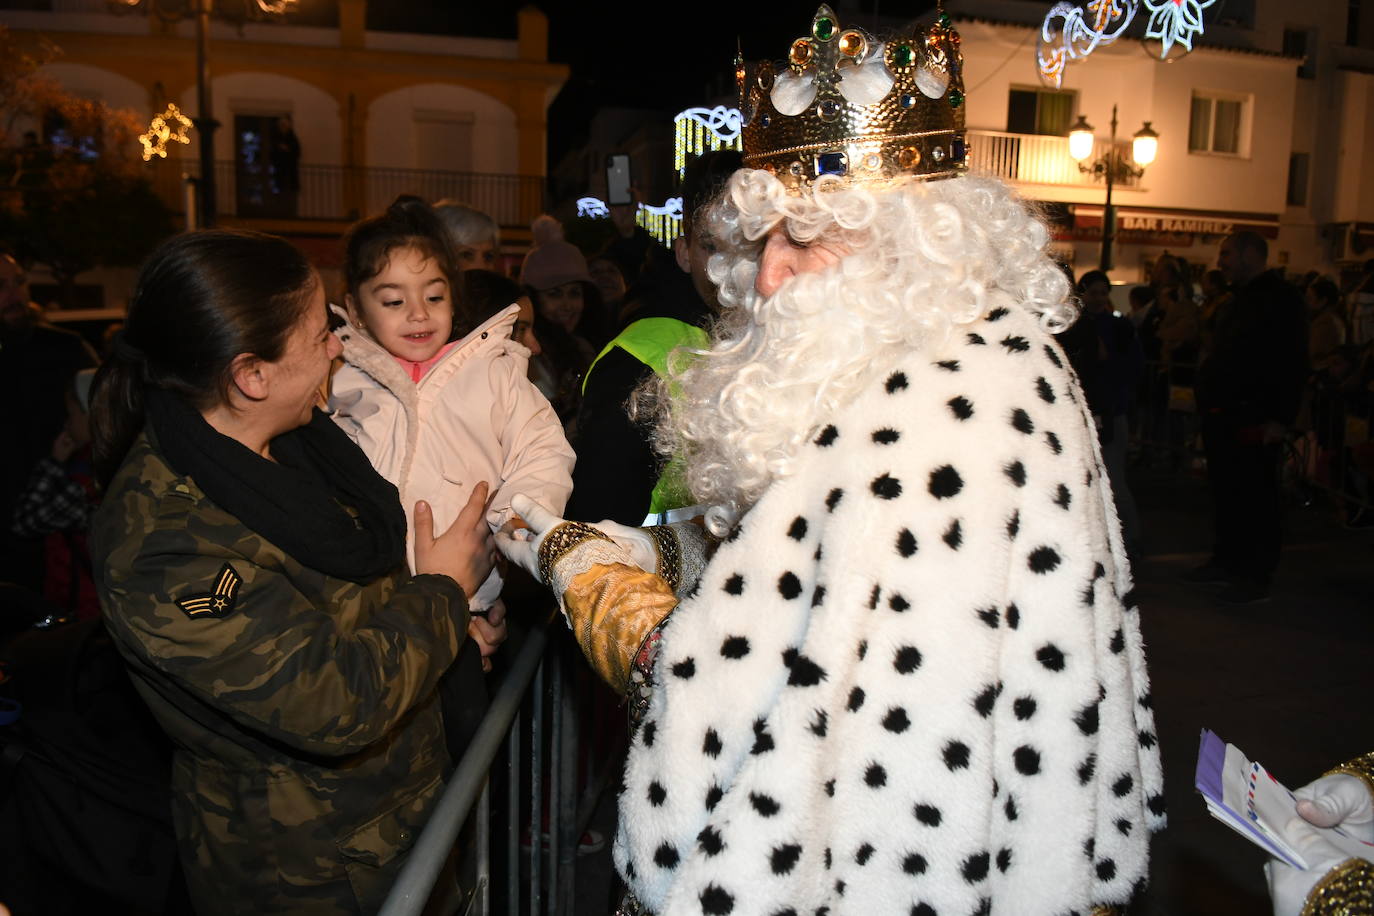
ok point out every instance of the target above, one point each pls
(650, 340)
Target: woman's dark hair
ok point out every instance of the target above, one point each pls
(408, 223)
(594, 326)
(201, 300)
(486, 293)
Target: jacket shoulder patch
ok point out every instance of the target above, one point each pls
(216, 603)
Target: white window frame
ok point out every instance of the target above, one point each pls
(1246, 103)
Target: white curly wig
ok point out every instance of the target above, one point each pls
(925, 257)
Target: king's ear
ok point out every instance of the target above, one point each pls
(682, 252)
(251, 376)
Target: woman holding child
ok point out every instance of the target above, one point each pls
(252, 567)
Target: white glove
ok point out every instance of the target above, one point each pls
(634, 541)
(1337, 800)
(521, 546)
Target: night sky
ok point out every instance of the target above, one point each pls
(618, 59)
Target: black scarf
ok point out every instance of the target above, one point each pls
(296, 502)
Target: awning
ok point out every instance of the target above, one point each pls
(1156, 226)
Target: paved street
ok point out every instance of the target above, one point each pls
(1288, 681)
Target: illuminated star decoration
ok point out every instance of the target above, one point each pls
(1175, 22)
(1076, 35)
(171, 126)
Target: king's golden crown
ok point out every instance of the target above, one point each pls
(849, 105)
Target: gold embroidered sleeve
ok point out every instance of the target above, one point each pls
(612, 609)
(1346, 890)
(1361, 768)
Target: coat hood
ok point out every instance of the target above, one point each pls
(362, 351)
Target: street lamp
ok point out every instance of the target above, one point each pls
(1112, 168)
(204, 121)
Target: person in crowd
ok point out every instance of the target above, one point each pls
(1249, 389)
(1180, 331)
(610, 284)
(251, 567)
(1151, 420)
(1326, 328)
(632, 245)
(1144, 308)
(1109, 365)
(474, 235)
(569, 317)
(1216, 296)
(37, 364)
(285, 159)
(1180, 339)
(622, 478)
(57, 504)
(1342, 398)
(1333, 884)
(437, 401)
(488, 293)
(910, 677)
(1362, 306)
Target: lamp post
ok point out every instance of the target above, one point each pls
(1112, 168)
(204, 120)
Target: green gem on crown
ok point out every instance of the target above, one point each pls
(823, 28)
(956, 98)
(902, 55)
(944, 20)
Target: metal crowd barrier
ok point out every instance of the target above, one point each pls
(534, 703)
(1331, 450)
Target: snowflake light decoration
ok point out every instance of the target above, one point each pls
(1175, 22)
(1069, 34)
(592, 208)
(171, 126)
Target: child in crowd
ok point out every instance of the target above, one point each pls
(437, 401)
(57, 505)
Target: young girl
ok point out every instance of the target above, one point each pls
(437, 404)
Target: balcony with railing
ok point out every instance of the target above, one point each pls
(1037, 159)
(339, 193)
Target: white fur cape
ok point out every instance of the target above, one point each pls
(912, 681)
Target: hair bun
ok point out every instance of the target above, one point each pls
(407, 205)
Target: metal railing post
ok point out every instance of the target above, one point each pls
(513, 738)
(569, 825)
(430, 854)
(536, 788)
(557, 829)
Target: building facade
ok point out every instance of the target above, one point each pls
(1267, 124)
(375, 112)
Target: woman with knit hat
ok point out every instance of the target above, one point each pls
(568, 316)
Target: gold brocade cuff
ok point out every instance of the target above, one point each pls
(612, 609)
(1346, 890)
(559, 541)
(1361, 767)
(669, 556)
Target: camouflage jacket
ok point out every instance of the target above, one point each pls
(309, 743)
